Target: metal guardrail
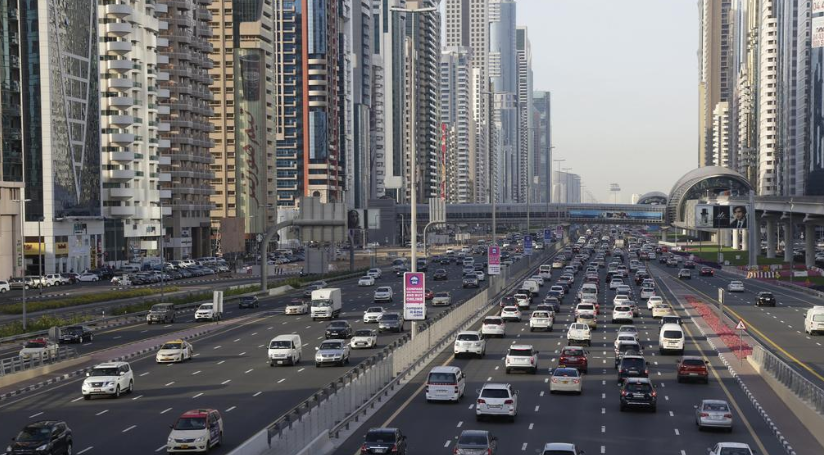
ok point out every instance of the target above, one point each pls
(17, 363)
(785, 374)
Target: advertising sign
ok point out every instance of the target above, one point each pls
(494, 263)
(528, 245)
(559, 232)
(721, 216)
(617, 215)
(547, 235)
(414, 296)
(818, 32)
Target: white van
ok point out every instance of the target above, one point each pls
(285, 349)
(588, 290)
(469, 261)
(532, 286)
(814, 321)
(671, 338)
(445, 383)
(545, 271)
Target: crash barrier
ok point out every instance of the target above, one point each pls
(803, 388)
(18, 363)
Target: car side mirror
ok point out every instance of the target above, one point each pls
(88, 374)
(171, 427)
(478, 391)
(317, 348)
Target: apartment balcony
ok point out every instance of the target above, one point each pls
(161, 8)
(163, 93)
(121, 193)
(121, 211)
(164, 161)
(182, 21)
(119, 29)
(120, 11)
(165, 177)
(119, 47)
(122, 157)
(163, 127)
(162, 59)
(121, 120)
(163, 110)
(203, 31)
(121, 84)
(179, 4)
(203, 15)
(164, 144)
(114, 175)
(162, 42)
(162, 76)
(181, 89)
(119, 66)
(121, 139)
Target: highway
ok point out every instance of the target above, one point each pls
(591, 420)
(229, 373)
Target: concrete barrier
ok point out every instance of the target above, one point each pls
(25, 375)
(321, 445)
(280, 290)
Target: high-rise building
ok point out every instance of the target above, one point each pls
(503, 72)
(815, 177)
(721, 135)
(715, 69)
(360, 171)
(743, 108)
(456, 116)
(526, 151)
(542, 137)
(346, 104)
(185, 146)
(59, 117)
(767, 177)
(567, 188)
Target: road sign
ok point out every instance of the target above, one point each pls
(528, 245)
(494, 260)
(414, 296)
(741, 326)
(559, 231)
(547, 235)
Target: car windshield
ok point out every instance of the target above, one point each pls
(468, 337)
(367, 278)
(330, 345)
(380, 437)
(818, 317)
(638, 387)
(247, 299)
(492, 321)
(442, 378)
(280, 344)
(717, 407)
(673, 334)
(633, 363)
(206, 307)
(172, 346)
(389, 317)
(374, 309)
(104, 372)
(624, 347)
(31, 434)
(572, 351)
(337, 324)
(363, 333)
(35, 344)
(384, 289)
(767, 295)
(735, 451)
(540, 315)
(441, 294)
(587, 306)
(693, 362)
(494, 393)
(190, 423)
(577, 327)
(520, 352)
(73, 330)
(473, 439)
(566, 372)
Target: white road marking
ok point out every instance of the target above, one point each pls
(677, 433)
(102, 412)
(531, 425)
(165, 410)
(167, 385)
(460, 423)
(135, 398)
(537, 407)
(301, 370)
(541, 394)
(77, 399)
(143, 374)
(242, 353)
(90, 448)
(671, 414)
(226, 382)
(217, 347)
(603, 429)
(230, 409)
(257, 394)
(523, 447)
(160, 448)
(446, 444)
(196, 372)
(471, 406)
(603, 396)
(248, 371)
(236, 340)
(221, 362)
(198, 395)
(281, 380)
(603, 410)
(129, 429)
(253, 333)
(35, 415)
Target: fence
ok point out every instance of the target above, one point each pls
(785, 374)
(17, 363)
(307, 427)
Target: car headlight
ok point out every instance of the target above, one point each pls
(43, 447)
(109, 383)
(200, 439)
(169, 440)
(318, 356)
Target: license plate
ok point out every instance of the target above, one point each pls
(638, 395)
(96, 390)
(693, 374)
(565, 382)
(280, 361)
(494, 406)
(440, 392)
(184, 446)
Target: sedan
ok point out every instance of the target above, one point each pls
(472, 442)
(511, 313)
(392, 322)
(566, 380)
(440, 274)
(373, 314)
(383, 294)
(707, 271)
(332, 351)
(662, 310)
(713, 414)
(765, 299)
(76, 334)
(735, 286)
(249, 301)
(366, 281)
(364, 338)
(86, 277)
(174, 351)
(730, 448)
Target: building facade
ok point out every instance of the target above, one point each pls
(456, 114)
(715, 69)
(526, 182)
(503, 73)
(721, 135)
(542, 138)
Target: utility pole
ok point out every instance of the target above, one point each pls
(615, 189)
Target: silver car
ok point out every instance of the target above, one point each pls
(392, 322)
(713, 414)
(335, 352)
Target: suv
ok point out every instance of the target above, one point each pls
(162, 313)
(469, 342)
(638, 392)
(338, 329)
(765, 299)
(691, 367)
(626, 347)
(497, 399)
(332, 351)
(249, 301)
(384, 440)
(685, 274)
(195, 431)
(111, 379)
(76, 334)
(476, 441)
(521, 356)
(383, 294)
(579, 333)
(207, 312)
(632, 366)
(50, 437)
(574, 357)
(470, 280)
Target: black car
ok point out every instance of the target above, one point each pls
(249, 301)
(76, 334)
(508, 300)
(638, 393)
(384, 440)
(46, 437)
(479, 266)
(632, 366)
(553, 302)
(443, 261)
(338, 329)
(440, 274)
(689, 264)
(104, 274)
(765, 299)
(400, 270)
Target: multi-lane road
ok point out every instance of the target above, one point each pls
(592, 420)
(229, 373)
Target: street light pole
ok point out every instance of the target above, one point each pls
(558, 203)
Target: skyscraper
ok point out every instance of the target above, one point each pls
(715, 69)
(526, 152)
(721, 135)
(815, 178)
(456, 116)
(361, 169)
(503, 72)
(542, 137)
(768, 132)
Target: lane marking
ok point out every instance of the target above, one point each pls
(129, 429)
(230, 409)
(170, 383)
(102, 412)
(226, 382)
(249, 371)
(77, 399)
(198, 395)
(87, 449)
(257, 394)
(196, 372)
(460, 423)
(35, 415)
(135, 398)
(165, 410)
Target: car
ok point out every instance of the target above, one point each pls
(307, 292)
(373, 314)
(375, 273)
(624, 348)
(541, 320)
(76, 334)
(383, 294)
(384, 440)
(538, 279)
(43, 437)
(338, 330)
(470, 280)
(646, 293)
(440, 275)
(670, 319)
(574, 357)
(4, 286)
(550, 302)
(297, 306)
(207, 312)
(41, 349)
(706, 271)
(589, 319)
(654, 301)
(366, 281)
(112, 379)
(493, 326)
(632, 366)
(428, 294)
(614, 283)
(511, 313)
(87, 277)
(560, 448)
(735, 286)
(765, 298)
(692, 368)
(638, 393)
(442, 298)
(481, 275)
(713, 414)
(626, 336)
(661, 310)
(566, 380)
(622, 313)
(620, 299)
(558, 288)
(521, 357)
(496, 400)
(685, 274)
(174, 351)
(332, 352)
(197, 430)
(400, 270)
(392, 322)
(579, 333)
(248, 301)
(472, 442)
(364, 338)
(584, 308)
(730, 448)
(469, 342)
(522, 300)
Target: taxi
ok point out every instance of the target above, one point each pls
(174, 351)
(197, 430)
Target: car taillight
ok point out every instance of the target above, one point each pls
(728, 416)
(363, 449)
(704, 414)
(575, 381)
(623, 393)
(646, 372)
(508, 402)
(456, 389)
(455, 451)
(654, 394)
(532, 360)
(394, 448)
(488, 451)
(555, 380)
(621, 371)
(480, 401)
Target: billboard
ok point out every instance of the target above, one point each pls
(494, 263)
(414, 296)
(363, 219)
(617, 215)
(528, 245)
(250, 125)
(547, 235)
(711, 216)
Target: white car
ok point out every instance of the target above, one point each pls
(621, 313)
(511, 313)
(111, 379)
(481, 276)
(662, 310)
(469, 342)
(39, 349)
(383, 294)
(541, 320)
(442, 298)
(537, 278)
(613, 285)
(627, 329)
(560, 448)
(654, 301)
(566, 380)
(174, 351)
(88, 277)
(579, 333)
(374, 273)
(735, 286)
(496, 399)
(4, 286)
(206, 312)
(584, 308)
(623, 289)
(730, 448)
(558, 264)
(373, 314)
(195, 431)
(559, 289)
(620, 299)
(297, 306)
(521, 357)
(364, 338)
(493, 326)
(646, 293)
(366, 281)
(626, 336)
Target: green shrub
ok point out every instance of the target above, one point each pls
(33, 306)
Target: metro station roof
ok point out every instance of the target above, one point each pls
(715, 180)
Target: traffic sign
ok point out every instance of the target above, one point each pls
(528, 245)
(547, 235)
(414, 296)
(741, 326)
(559, 231)
(494, 262)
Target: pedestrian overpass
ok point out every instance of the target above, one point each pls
(543, 214)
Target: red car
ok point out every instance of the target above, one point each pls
(693, 368)
(574, 357)
(707, 271)
(429, 295)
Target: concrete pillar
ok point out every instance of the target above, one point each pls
(664, 232)
(771, 232)
(809, 244)
(788, 240)
(726, 238)
(736, 239)
(745, 240)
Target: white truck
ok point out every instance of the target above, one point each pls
(619, 243)
(326, 303)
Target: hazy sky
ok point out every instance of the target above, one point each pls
(623, 77)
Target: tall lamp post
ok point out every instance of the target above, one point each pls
(22, 203)
(491, 164)
(558, 203)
